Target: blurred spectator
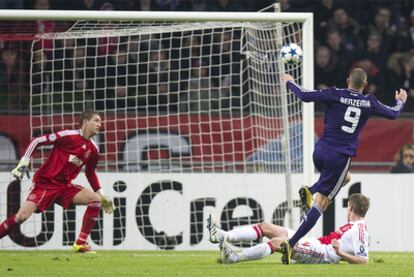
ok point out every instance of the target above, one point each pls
(156, 78)
(78, 78)
(117, 80)
(224, 68)
(374, 60)
(192, 46)
(411, 27)
(323, 12)
(260, 5)
(401, 75)
(326, 71)
(13, 81)
(189, 51)
(47, 26)
(348, 28)
(148, 64)
(227, 5)
(86, 5)
(82, 73)
(200, 97)
(341, 54)
(375, 79)
(134, 5)
(145, 5)
(408, 82)
(41, 5)
(11, 4)
(107, 45)
(164, 94)
(286, 6)
(194, 5)
(402, 38)
(158, 62)
(382, 26)
(165, 5)
(42, 78)
(107, 6)
(374, 51)
(134, 48)
(404, 160)
(137, 46)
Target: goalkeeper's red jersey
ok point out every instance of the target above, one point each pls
(71, 151)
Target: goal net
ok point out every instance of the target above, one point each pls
(181, 97)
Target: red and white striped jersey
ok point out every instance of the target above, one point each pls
(71, 151)
(353, 238)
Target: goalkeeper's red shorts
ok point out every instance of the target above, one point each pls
(46, 195)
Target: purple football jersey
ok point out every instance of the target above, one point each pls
(346, 114)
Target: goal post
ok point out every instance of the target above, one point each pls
(183, 95)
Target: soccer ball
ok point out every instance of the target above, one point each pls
(291, 53)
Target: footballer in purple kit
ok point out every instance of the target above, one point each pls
(348, 110)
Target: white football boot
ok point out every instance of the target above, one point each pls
(227, 254)
(216, 234)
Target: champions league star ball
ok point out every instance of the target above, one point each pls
(291, 53)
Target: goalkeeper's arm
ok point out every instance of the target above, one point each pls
(90, 172)
(23, 166)
(21, 169)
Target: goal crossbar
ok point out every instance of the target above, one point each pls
(149, 16)
(121, 29)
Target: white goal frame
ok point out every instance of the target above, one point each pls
(307, 34)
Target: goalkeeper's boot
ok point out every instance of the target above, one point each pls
(214, 230)
(83, 248)
(286, 251)
(227, 253)
(305, 196)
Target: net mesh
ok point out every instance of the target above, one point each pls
(192, 97)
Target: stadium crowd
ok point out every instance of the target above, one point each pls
(377, 36)
(404, 160)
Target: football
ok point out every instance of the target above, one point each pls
(291, 53)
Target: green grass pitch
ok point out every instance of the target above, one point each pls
(186, 263)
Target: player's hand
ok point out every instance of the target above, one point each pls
(287, 77)
(402, 94)
(106, 203)
(21, 169)
(336, 245)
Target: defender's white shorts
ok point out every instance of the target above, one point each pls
(309, 251)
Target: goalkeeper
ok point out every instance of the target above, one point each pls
(52, 183)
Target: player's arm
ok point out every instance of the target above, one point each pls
(22, 167)
(90, 172)
(307, 95)
(390, 112)
(352, 259)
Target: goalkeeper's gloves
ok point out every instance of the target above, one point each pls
(106, 203)
(21, 169)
